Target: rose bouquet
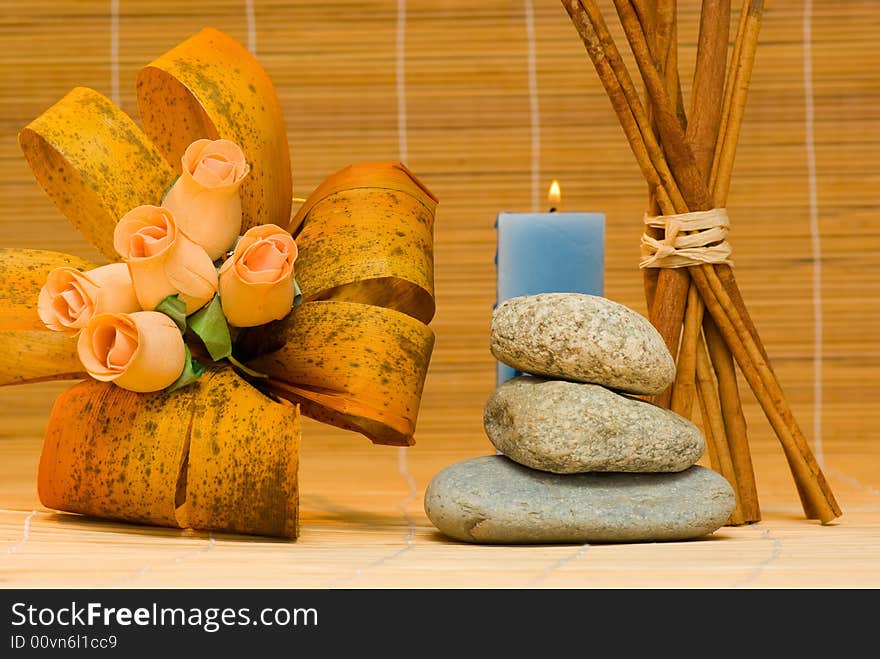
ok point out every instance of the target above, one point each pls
(199, 343)
(185, 270)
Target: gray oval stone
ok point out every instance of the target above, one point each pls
(569, 427)
(492, 499)
(586, 338)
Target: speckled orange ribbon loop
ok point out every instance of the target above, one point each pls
(216, 455)
(95, 164)
(356, 366)
(355, 354)
(29, 351)
(366, 235)
(377, 175)
(210, 86)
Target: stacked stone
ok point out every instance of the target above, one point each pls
(581, 459)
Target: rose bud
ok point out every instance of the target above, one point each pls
(69, 298)
(256, 282)
(205, 198)
(163, 260)
(141, 351)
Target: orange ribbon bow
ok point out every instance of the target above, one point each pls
(221, 453)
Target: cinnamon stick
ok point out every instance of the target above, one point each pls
(626, 102)
(627, 105)
(659, 20)
(672, 283)
(738, 77)
(734, 420)
(816, 496)
(701, 135)
(670, 288)
(704, 117)
(669, 325)
(735, 93)
(818, 499)
(681, 400)
(667, 42)
(713, 421)
(679, 156)
(730, 85)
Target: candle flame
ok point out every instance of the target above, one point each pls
(554, 196)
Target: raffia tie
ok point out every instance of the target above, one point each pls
(690, 239)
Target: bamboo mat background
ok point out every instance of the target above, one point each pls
(446, 86)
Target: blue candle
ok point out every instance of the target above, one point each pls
(553, 252)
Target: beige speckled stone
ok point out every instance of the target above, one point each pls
(585, 338)
(570, 427)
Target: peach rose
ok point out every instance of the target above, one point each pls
(205, 198)
(141, 351)
(69, 298)
(163, 260)
(256, 282)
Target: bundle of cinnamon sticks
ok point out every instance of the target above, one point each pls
(686, 157)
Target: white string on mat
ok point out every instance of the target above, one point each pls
(402, 139)
(25, 534)
(251, 26)
(534, 103)
(815, 235)
(177, 560)
(114, 51)
(775, 553)
(562, 562)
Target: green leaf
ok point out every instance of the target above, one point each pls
(209, 324)
(227, 254)
(192, 371)
(297, 293)
(168, 189)
(173, 307)
(238, 365)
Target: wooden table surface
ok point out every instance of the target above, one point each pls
(363, 526)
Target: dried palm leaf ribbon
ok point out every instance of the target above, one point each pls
(29, 352)
(355, 353)
(689, 239)
(216, 455)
